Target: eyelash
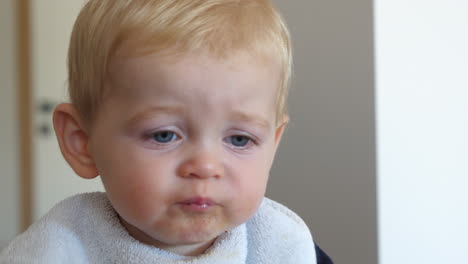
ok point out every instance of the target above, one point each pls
(169, 133)
(251, 141)
(151, 137)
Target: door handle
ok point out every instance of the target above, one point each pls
(45, 109)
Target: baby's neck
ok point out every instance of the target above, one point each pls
(189, 250)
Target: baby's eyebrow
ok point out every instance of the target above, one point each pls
(156, 110)
(238, 116)
(251, 118)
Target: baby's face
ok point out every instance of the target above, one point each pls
(184, 147)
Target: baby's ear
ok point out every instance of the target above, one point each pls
(280, 130)
(73, 141)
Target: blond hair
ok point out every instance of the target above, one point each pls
(221, 27)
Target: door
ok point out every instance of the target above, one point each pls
(53, 180)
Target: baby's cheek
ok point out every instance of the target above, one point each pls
(253, 191)
(245, 208)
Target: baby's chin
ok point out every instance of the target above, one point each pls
(184, 234)
(181, 229)
(193, 229)
(192, 235)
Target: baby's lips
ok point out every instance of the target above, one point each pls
(198, 201)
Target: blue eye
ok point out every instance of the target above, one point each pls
(164, 136)
(239, 140)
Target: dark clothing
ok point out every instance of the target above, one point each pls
(322, 257)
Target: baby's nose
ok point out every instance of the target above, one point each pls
(202, 165)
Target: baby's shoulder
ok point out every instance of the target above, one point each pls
(85, 205)
(275, 210)
(55, 236)
(275, 228)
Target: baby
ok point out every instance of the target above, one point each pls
(179, 106)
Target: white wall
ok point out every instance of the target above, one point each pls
(422, 118)
(9, 213)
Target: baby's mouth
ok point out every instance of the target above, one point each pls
(201, 201)
(197, 204)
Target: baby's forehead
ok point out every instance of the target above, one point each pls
(196, 80)
(160, 68)
(190, 67)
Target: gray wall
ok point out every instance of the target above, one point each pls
(325, 168)
(9, 217)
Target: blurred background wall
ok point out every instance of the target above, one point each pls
(325, 168)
